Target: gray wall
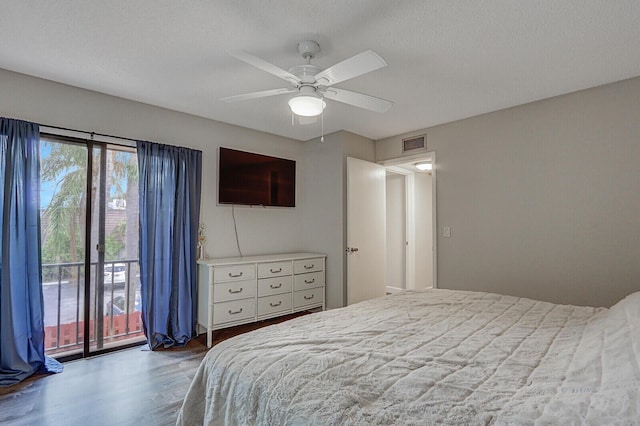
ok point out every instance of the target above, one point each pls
(326, 203)
(543, 199)
(323, 201)
(260, 230)
(317, 223)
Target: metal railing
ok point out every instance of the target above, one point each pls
(114, 308)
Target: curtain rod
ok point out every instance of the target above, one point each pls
(91, 135)
(132, 142)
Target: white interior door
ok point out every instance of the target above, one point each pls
(366, 230)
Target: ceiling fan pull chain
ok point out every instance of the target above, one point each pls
(322, 122)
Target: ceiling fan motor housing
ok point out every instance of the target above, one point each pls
(306, 73)
(308, 49)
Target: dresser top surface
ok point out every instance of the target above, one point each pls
(258, 259)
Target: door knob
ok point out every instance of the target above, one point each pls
(352, 249)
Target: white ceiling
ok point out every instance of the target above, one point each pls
(448, 59)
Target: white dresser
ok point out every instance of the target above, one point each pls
(240, 290)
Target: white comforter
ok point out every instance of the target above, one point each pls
(428, 357)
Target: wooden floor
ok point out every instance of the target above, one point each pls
(130, 387)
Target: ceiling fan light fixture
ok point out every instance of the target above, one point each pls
(307, 105)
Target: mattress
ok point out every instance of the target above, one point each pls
(428, 357)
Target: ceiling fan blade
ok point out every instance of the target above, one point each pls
(256, 95)
(354, 66)
(358, 99)
(265, 66)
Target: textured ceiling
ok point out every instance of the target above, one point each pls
(447, 59)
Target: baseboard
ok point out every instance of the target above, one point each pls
(391, 290)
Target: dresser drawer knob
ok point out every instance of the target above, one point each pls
(308, 297)
(235, 291)
(275, 286)
(235, 312)
(310, 281)
(232, 275)
(275, 271)
(309, 266)
(273, 305)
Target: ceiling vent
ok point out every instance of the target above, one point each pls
(414, 144)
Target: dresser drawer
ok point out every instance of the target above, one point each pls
(235, 310)
(234, 273)
(274, 269)
(308, 297)
(234, 290)
(308, 265)
(307, 281)
(272, 304)
(276, 285)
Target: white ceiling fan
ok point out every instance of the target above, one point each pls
(313, 84)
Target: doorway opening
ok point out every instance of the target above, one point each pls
(410, 223)
(367, 254)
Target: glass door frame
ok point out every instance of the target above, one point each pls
(99, 247)
(89, 347)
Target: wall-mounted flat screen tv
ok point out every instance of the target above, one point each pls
(256, 180)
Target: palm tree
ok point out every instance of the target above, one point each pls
(65, 165)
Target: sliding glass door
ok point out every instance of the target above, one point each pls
(89, 225)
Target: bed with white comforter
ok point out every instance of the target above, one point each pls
(428, 357)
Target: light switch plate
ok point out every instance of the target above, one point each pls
(447, 231)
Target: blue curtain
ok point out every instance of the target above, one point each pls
(169, 216)
(21, 301)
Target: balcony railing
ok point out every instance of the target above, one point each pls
(114, 312)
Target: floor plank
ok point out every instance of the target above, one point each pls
(129, 387)
(133, 386)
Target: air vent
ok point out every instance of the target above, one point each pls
(414, 144)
